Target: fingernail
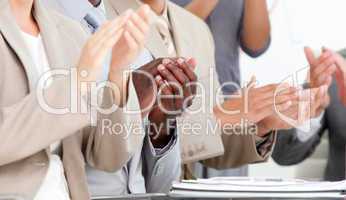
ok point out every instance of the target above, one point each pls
(161, 67)
(180, 61)
(166, 61)
(158, 78)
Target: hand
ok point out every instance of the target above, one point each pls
(177, 89)
(95, 50)
(176, 79)
(145, 85)
(321, 75)
(302, 110)
(256, 104)
(321, 69)
(129, 46)
(321, 101)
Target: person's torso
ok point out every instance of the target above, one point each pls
(24, 177)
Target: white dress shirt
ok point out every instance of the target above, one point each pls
(54, 186)
(314, 125)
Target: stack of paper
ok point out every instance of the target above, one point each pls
(231, 187)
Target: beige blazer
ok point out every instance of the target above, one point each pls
(192, 38)
(26, 130)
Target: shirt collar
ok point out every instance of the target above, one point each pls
(165, 11)
(76, 9)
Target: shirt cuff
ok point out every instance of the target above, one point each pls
(313, 126)
(264, 145)
(160, 152)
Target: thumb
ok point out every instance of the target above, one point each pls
(310, 56)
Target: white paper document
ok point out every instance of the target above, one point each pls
(258, 187)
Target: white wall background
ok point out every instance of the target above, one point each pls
(295, 24)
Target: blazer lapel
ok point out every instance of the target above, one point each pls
(154, 43)
(12, 34)
(180, 34)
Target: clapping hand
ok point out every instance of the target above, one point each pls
(128, 48)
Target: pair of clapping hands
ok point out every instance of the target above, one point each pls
(165, 88)
(324, 69)
(125, 38)
(272, 107)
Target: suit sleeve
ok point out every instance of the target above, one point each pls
(30, 125)
(239, 150)
(27, 128)
(111, 139)
(290, 150)
(116, 136)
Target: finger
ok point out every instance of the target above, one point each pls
(271, 87)
(272, 110)
(178, 73)
(110, 27)
(140, 23)
(285, 98)
(105, 35)
(310, 56)
(192, 63)
(164, 88)
(165, 91)
(169, 77)
(326, 76)
(107, 44)
(324, 55)
(272, 102)
(135, 33)
(182, 78)
(326, 63)
(187, 70)
(131, 42)
(271, 91)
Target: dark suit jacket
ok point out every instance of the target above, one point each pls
(290, 150)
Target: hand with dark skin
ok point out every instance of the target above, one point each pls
(145, 85)
(157, 80)
(176, 92)
(95, 2)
